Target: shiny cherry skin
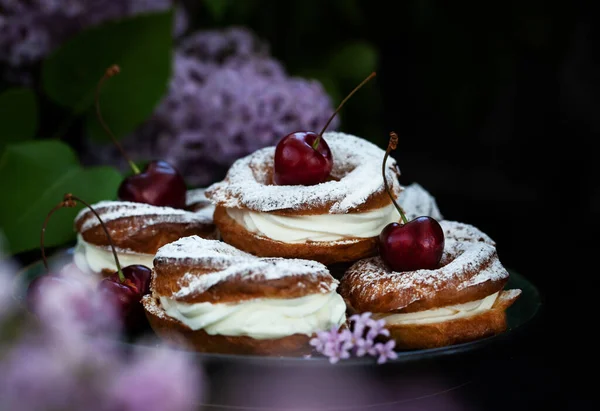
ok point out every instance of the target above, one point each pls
(298, 163)
(127, 295)
(159, 184)
(418, 244)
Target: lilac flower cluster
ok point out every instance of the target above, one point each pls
(30, 30)
(227, 98)
(359, 340)
(65, 357)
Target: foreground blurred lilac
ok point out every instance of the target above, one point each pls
(31, 29)
(140, 387)
(66, 358)
(6, 285)
(227, 98)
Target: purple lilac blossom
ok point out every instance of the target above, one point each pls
(7, 268)
(75, 309)
(334, 344)
(227, 98)
(157, 380)
(66, 357)
(30, 30)
(385, 351)
(35, 376)
(359, 340)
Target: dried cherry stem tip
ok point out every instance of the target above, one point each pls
(315, 144)
(111, 72)
(46, 220)
(393, 143)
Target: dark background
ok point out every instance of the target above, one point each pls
(498, 106)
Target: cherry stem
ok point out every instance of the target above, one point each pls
(73, 199)
(42, 236)
(315, 144)
(392, 146)
(110, 72)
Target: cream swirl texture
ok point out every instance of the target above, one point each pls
(436, 315)
(261, 318)
(90, 258)
(321, 227)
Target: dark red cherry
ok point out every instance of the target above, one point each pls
(126, 295)
(298, 162)
(418, 244)
(159, 184)
(139, 275)
(303, 157)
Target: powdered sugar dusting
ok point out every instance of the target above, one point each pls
(113, 210)
(356, 167)
(209, 253)
(416, 202)
(469, 258)
(228, 262)
(454, 230)
(151, 305)
(468, 263)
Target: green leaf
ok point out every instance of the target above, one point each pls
(217, 8)
(18, 116)
(140, 45)
(354, 61)
(34, 176)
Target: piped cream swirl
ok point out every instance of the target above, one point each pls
(261, 318)
(437, 315)
(321, 227)
(90, 258)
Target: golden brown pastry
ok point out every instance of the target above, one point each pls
(463, 300)
(137, 230)
(332, 222)
(212, 297)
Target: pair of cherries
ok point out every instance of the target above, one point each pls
(125, 296)
(158, 184)
(304, 158)
(124, 288)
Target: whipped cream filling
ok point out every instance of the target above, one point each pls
(321, 227)
(91, 258)
(261, 318)
(437, 315)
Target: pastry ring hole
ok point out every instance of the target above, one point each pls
(450, 256)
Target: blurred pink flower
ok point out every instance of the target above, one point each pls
(156, 380)
(67, 356)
